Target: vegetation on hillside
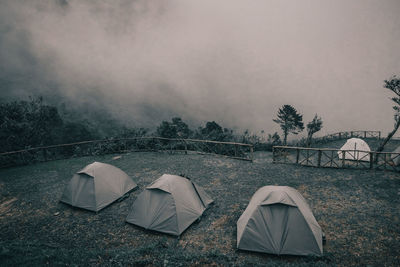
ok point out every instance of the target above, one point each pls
(33, 123)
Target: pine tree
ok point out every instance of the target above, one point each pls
(289, 120)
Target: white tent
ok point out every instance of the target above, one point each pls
(96, 186)
(355, 149)
(279, 221)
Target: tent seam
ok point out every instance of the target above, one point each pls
(94, 191)
(198, 195)
(176, 212)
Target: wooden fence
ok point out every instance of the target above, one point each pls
(124, 145)
(336, 158)
(348, 134)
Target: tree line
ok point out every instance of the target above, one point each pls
(32, 123)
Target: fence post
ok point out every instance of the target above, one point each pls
(340, 135)
(319, 157)
(379, 136)
(44, 154)
(365, 134)
(185, 147)
(371, 160)
(235, 150)
(251, 153)
(297, 155)
(343, 158)
(384, 161)
(273, 154)
(308, 157)
(21, 158)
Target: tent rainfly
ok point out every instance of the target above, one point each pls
(169, 205)
(96, 186)
(279, 221)
(396, 157)
(356, 149)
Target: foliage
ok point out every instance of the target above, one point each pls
(177, 128)
(133, 132)
(262, 145)
(32, 123)
(74, 132)
(289, 120)
(312, 127)
(258, 141)
(393, 85)
(27, 124)
(213, 131)
(274, 139)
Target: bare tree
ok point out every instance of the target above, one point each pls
(289, 120)
(393, 84)
(312, 127)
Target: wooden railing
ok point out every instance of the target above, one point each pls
(336, 158)
(123, 145)
(348, 134)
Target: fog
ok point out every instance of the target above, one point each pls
(235, 62)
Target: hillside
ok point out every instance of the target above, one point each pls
(357, 209)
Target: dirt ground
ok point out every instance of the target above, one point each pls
(358, 210)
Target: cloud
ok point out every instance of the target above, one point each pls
(235, 62)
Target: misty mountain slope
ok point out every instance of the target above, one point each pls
(232, 61)
(37, 229)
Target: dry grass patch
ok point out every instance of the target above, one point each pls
(6, 205)
(358, 211)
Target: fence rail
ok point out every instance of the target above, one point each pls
(123, 145)
(336, 158)
(348, 134)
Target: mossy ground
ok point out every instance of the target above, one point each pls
(359, 211)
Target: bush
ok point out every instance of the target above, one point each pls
(26, 124)
(175, 129)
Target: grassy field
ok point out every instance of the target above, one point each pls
(359, 211)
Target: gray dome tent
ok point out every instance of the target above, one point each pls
(279, 221)
(96, 186)
(169, 205)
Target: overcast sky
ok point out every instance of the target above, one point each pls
(235, 62)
